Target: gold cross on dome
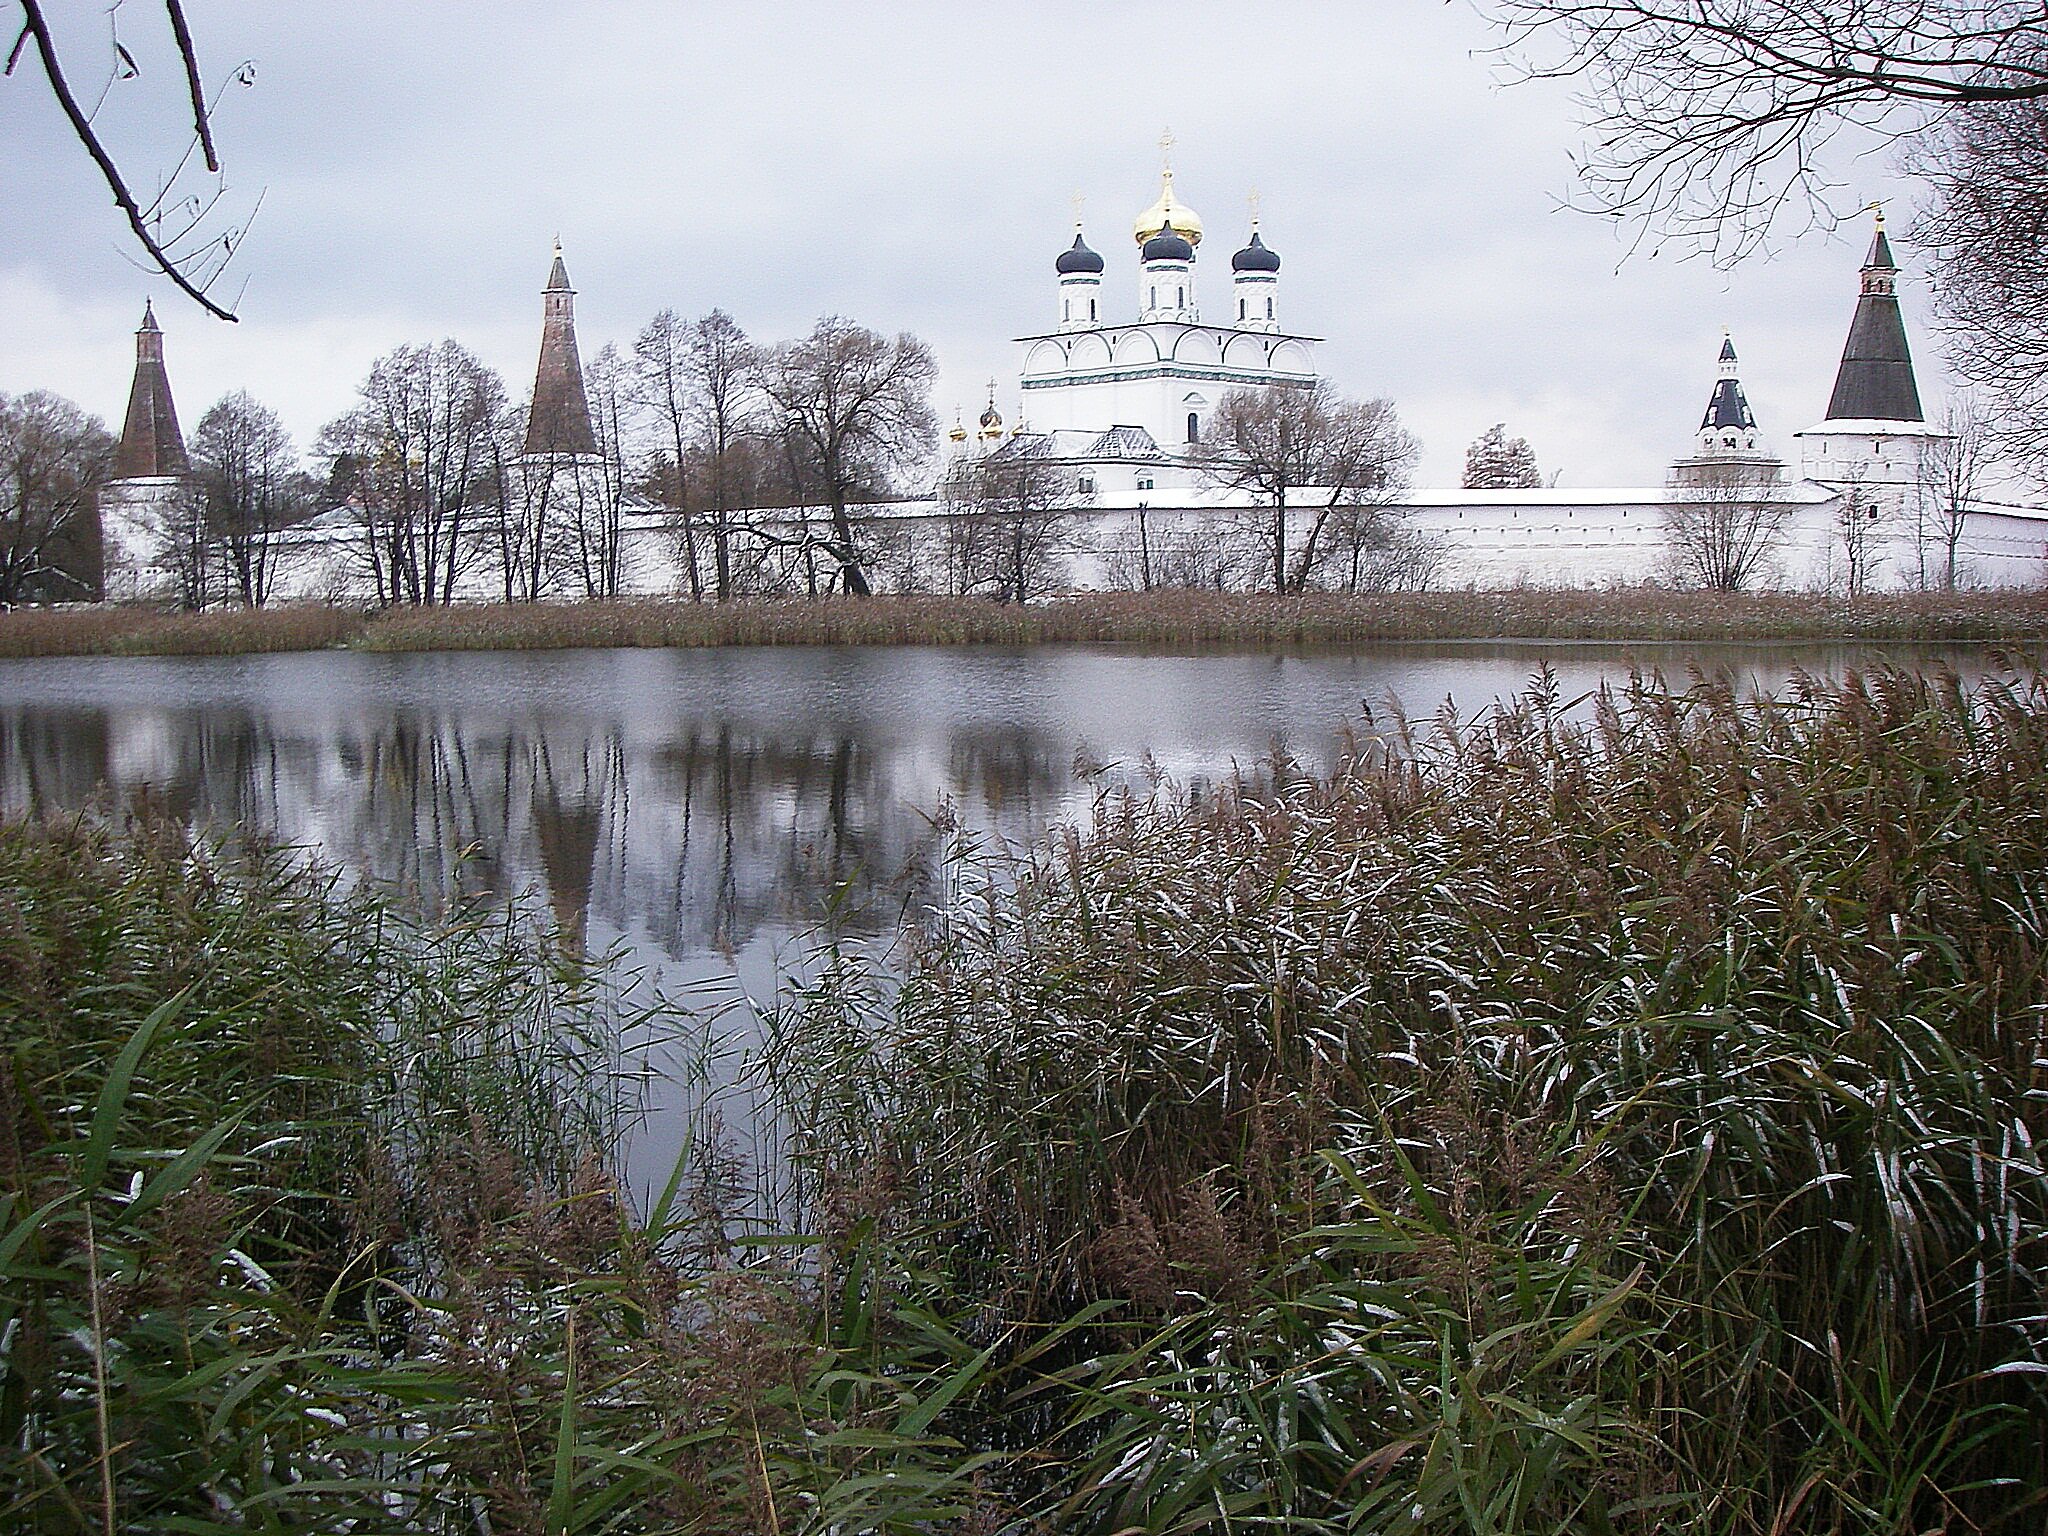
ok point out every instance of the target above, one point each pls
(1079, 202)
(1166, 143)
(1253, 202)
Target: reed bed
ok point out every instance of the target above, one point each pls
(305, 1226)
(1613, 1115)
(1168, 620)
(117, 631)
(1624, 1125)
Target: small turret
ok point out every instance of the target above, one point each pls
(1255, 275)
(1080, 272)
(991, 432)
(1166, 279)
(1729, 426)
(1728, 451)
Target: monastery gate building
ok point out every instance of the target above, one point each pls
(1115, 410)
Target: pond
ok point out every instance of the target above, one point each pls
(703, 811)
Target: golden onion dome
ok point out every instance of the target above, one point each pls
(1168, 210)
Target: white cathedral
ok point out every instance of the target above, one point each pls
(1121, 404)
(1118, 408)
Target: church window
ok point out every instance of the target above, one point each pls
(1154, 304)
(1180, 298)
(1087, 486)
(1269, 309)
(1194, 427)
(1144, 482)
(1091, 309)
(1066, 309)
(1240, 309)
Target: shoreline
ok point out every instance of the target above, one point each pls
(1179, 620)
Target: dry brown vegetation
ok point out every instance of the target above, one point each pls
(1165, 619)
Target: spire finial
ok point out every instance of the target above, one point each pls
(1079, 203)
(1166, 143)
(1877, 207)
(1252, 202)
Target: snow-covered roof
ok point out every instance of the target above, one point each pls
(1870, 426)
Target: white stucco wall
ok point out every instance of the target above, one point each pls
(1548, 538)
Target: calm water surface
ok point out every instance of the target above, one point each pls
(703, 810)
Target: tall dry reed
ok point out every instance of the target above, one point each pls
(1616, 1118)
(1177, 619)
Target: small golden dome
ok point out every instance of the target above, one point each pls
(1168, 209)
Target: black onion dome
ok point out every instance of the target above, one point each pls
(1167, 245)
(1255, 257)
(1078, 258)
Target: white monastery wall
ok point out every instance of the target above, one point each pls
(1548, 538)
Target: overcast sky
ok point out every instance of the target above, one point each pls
(909, 166)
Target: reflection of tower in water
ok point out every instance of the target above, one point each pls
(568, 816)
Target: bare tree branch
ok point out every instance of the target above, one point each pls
(202, 123)
(1706, 118)
(38, 26)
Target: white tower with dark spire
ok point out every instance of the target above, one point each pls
(1728, 448)
(562, 472)
(151, 486)
(1875, 431)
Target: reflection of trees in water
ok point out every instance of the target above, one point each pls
(51, 759)
(1011, 772)
(731, 832)
(774, 833)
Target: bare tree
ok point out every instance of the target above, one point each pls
(1497, 462)
(1169, 550)
(1987, 170)
(519, 509)
(858, 405)
(423, 462)
(1952, 472)
(1008, 515)
(1862, 526)
(183, 547)
(250, 487)
(172, 227)
(664, 390)
(1725, 524)
(1377, 548)
(722, 364)
(594, 525)
(54, 458)
(1307, 447)
(1706, 120)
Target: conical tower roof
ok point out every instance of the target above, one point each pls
(1728, 408)
(559, 421)
(1875, 381)
(151, 447)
